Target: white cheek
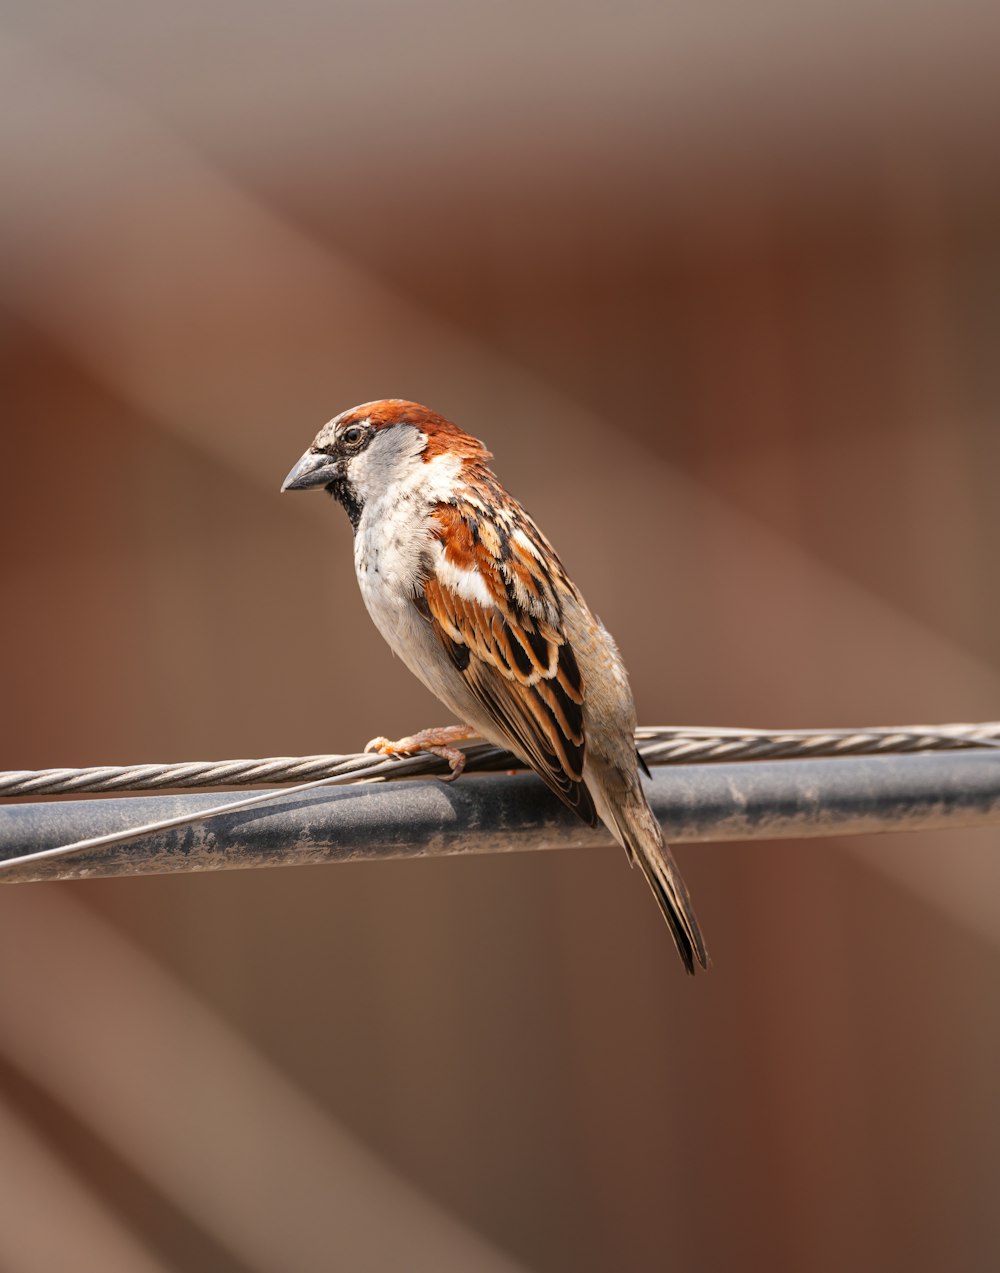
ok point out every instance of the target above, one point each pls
(391, 470)
(385, 463)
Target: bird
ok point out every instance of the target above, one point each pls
(473, 598)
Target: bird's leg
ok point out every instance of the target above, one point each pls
(432, 740)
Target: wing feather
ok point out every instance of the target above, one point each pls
(511, 649)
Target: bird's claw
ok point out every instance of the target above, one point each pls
(433, 740)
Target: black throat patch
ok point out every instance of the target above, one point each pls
(344, 494)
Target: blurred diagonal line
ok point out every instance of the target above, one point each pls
(203, 1116)
(51, 1219)
(961, 886)
(169, 1234)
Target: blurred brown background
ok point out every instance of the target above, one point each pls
(719, 286)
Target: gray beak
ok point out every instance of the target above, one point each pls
(314, 469)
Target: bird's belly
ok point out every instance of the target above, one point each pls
(387, 563)
(409, 635)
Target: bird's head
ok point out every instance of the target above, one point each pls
(365, 452)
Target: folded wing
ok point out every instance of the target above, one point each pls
(490, 594)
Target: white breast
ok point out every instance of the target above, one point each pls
(391, 548)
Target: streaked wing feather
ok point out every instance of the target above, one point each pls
(491, 599)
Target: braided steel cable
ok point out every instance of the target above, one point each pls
(300, 825)
(657, 745)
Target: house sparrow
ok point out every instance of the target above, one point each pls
(471, 595)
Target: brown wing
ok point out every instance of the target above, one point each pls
(490, 594)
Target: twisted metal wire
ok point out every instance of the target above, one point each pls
(657, 746)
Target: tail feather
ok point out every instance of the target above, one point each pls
(639, 832)
(668, 887)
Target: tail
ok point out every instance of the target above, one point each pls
(637, 830)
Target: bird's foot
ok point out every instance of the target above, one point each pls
(432, 740)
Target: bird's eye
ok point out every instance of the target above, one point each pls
(353, 435)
